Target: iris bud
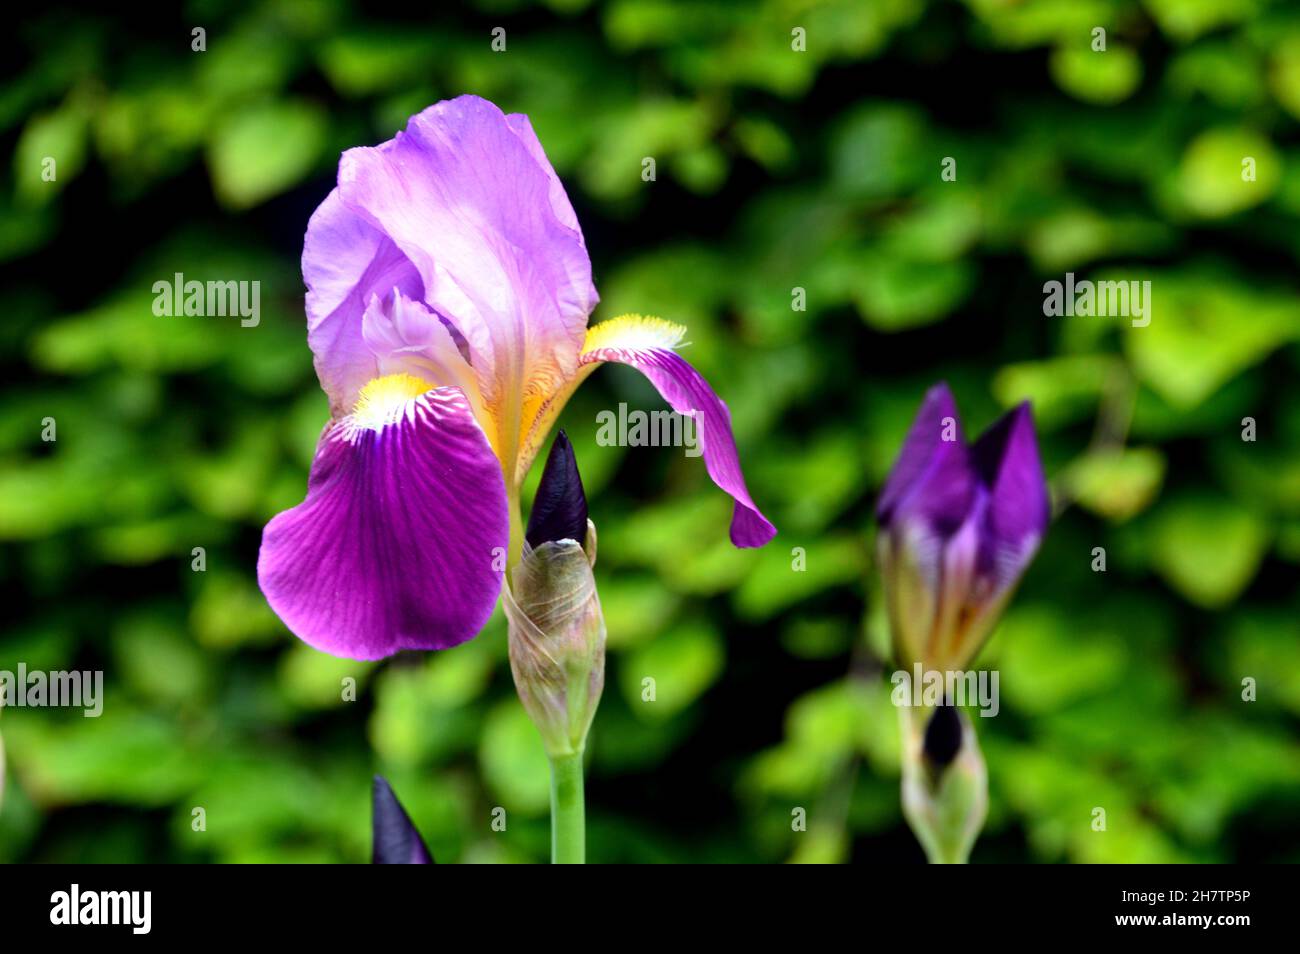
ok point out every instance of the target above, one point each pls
(396, 841)
(943, 736)
(557, 629)
(945, 783)
(959, 524)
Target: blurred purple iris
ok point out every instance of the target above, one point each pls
(448, 294)
(959, 524)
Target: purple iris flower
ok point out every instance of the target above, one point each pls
(395, 839)
(448, 294)
(959, 524)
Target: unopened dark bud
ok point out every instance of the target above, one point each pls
(943, 735)
(560, 507)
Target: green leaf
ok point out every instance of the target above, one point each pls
(159, 661)
(364, 62)
(895, 294)
(683, 662)
(789, 574)
(1063, 390)
(1261, 645)
(1211, 179)
(1204, 329)
(636, 607)
(1185, 20)
(1207, 548)
(514, 763)
(55, 142)
(880, 150)
(263, 150)
(1097, 76)
(1117, 484)
(1034, 639)
(316, 680)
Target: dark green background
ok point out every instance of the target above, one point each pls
(776, 169)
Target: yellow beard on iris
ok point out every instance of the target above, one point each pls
(528, 410)
(540, 410)
(384, 400)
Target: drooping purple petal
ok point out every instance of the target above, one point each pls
(397, 544)
(688, 393)
(468, 197)
(395, 839)
(1019, 507)
(346, 261)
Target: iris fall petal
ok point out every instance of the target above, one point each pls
(647, 345)
(397, 545)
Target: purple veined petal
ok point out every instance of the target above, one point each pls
(396, 841)
(471, 202)
(1019, 506)
(924, 450)
(646, 344)
(397, 545)
(345, 261)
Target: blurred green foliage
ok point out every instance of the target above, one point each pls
(777, 169)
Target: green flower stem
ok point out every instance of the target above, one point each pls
(568, 814)
(939, 855)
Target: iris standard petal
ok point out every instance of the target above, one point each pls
(924, 448)
(560, 204)
(647, 345)
(396, 841)
(398, 543)
(467, 195)
(1019, 508)
(345, 261)
(405, 337)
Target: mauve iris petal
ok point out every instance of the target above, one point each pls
(397, 544)
(523, 128)
(345, 261)
(959, 526)
(405, 337)
(467, 195)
